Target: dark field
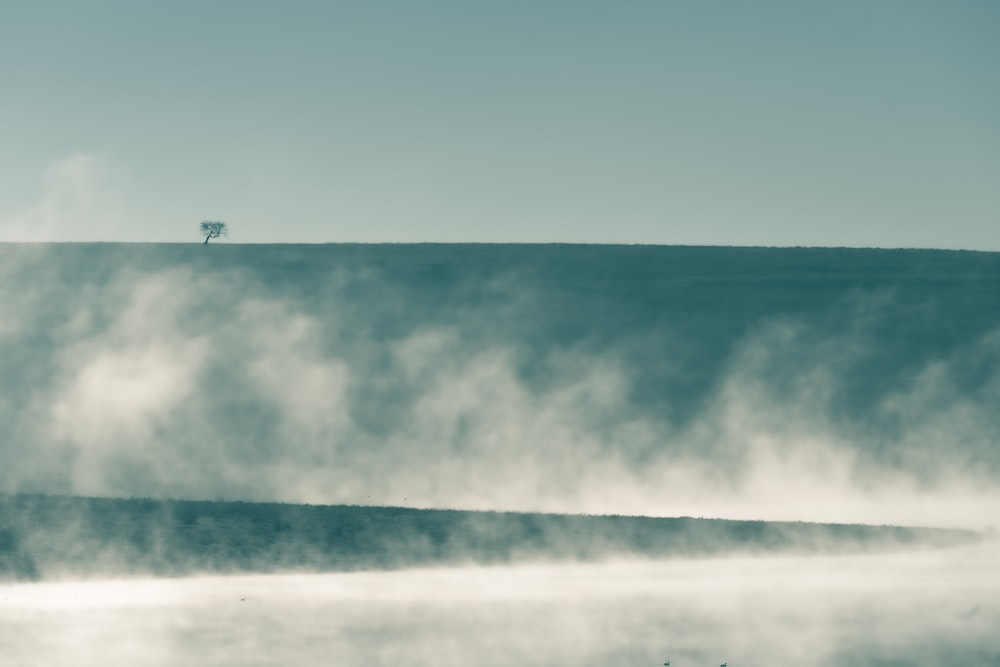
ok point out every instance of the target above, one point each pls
(43, 537)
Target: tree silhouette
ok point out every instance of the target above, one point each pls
(213, 229)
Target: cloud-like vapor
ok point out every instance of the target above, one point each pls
(933, 607)
(171, 373)
(85, 196)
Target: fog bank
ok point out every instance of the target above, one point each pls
(875, 610)
(786, 384)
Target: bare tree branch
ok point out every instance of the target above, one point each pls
(213, 229)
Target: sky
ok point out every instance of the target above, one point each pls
(852, 123)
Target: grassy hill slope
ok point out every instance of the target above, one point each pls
(568, 378)
(45, 537)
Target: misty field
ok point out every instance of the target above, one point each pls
(498, 455)
(839, 385)
(58, 537)
(934, 608)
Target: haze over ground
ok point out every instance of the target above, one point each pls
(798, 384)
(810, 384)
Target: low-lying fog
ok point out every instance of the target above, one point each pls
(777, 384)
(783, 384)
(928, 608)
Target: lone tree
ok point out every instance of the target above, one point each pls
(213, 229)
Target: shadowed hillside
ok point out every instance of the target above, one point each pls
(60, 537)
(837, 385)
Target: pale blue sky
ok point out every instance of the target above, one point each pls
(872, 123)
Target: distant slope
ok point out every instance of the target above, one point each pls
(566, 378)
(69, 537)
